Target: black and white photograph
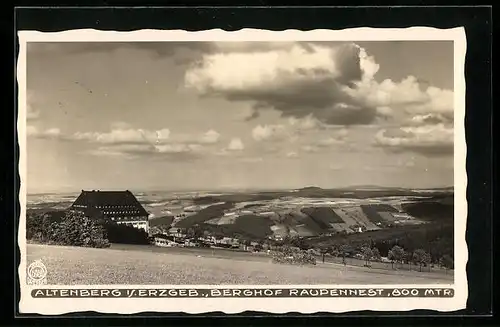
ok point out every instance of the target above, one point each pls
(329, 161)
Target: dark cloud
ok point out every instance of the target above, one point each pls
(299, 90)
(334, 82)
(159, 48)
(254, 115)
(433, 119)
(150, 152)
(323, 98)
(430, 150)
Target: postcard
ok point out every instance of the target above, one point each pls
(270, 171)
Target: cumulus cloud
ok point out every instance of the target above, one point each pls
(306, 123)
(406, 99)
(335, 138)
(333, 84)
(292, 154)
(123, 136)
(235, 145)
(127, 141)
(427, 139)
(269, 133)
(169, 151)
(123, 133)
(176, 148)
(210, 137)
(234, 148)
(34, 132)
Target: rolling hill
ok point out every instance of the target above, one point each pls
(308, 219)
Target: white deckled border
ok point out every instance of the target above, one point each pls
(55, 306)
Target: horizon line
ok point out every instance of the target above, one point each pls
(233, 189)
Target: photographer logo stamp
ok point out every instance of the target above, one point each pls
(36, 273)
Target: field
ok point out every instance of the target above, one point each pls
(143, 265)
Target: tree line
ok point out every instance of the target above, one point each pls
(369, 252)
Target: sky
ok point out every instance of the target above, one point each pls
(238, 115)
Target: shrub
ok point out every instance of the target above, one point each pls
(73, 229)
(38, 227)
(446, 261)
(288, 255)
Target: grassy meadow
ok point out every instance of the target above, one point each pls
(143, 265)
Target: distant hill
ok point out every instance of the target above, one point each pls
(308, 219)
(323, 216)
(161, 221)
(310, 188)
(204, 215)
(430, 210)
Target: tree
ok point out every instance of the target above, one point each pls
(446, 261)
(324, 252)
(334, 251)
(194, 232)
(300, 243)
(121, 233)
(376, 254)
(396, 254)
(198, 232)
(367, 254)
(344, 249)
(38, 227)
(421, 258)
(77, 230)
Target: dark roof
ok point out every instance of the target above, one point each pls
(112, 203)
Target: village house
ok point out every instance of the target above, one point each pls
(177, 232)
(121, 207)
(158, 241)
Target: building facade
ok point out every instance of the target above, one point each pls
(121, 207)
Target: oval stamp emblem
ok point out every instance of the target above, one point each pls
(37, 273)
